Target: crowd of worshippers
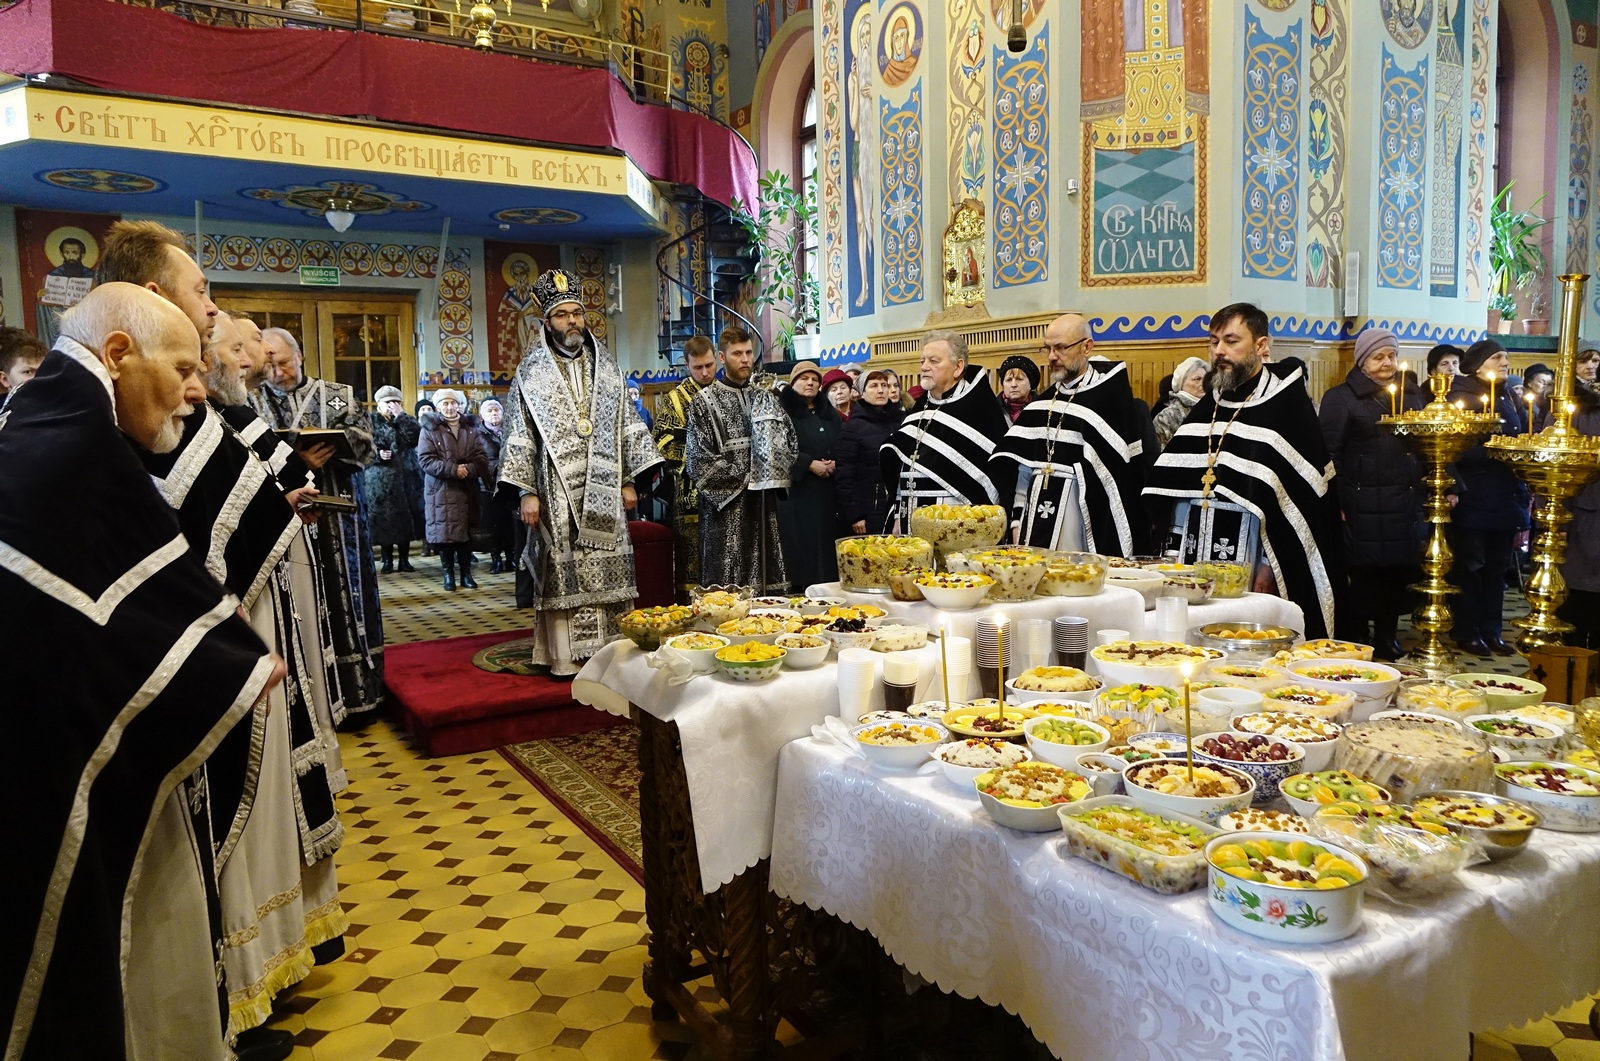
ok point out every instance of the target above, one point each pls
(1237, 461)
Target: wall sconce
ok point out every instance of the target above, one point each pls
(1017, 38)
(483, 20)
(338, 214)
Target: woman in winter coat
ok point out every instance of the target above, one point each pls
(1188, 387)
(452, 458)
(495, 517)
(1582, 565)
(1380, 493)
(1492, 509)
(808, 519)
(864, 504)
(388, 482)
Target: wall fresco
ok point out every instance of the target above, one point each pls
(1402, 171)
(1022, 163)
(900, 131)
(1444, 199)
(1271, 164)
(1482, 70)
(1327, 118)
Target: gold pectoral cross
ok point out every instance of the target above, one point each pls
(1207, 481)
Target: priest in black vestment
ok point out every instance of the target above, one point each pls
(143, 664)
(1248, 474)
(1080, 446)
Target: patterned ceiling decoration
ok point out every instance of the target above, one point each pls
(101, 181)
(357, 197)
(538, 215)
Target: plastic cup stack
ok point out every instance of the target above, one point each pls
(1035, 645)
(858, 674)
(958, 655)
(1106, 635)
(992, 670)
(1071, 637)
(1172, 619)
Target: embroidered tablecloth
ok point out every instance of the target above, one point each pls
(1099, 967)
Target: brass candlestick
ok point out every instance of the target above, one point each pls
(1441, 432)
(1556, 463)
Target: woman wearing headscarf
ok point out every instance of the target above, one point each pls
(1581, 568)
(1492, 509)
(452, 457)
(393, 483)
(1019, 379)
(495, 519)
(808, 518)
(1188, 387)
(1380, 492)
(863, 501)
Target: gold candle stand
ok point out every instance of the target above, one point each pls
(1441, 432)
(1556, 463)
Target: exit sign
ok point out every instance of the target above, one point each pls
(319, 276)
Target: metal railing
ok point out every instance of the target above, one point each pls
(646, 71)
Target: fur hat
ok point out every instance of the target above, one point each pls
(556, 288)
(446, 392)
(388, 394)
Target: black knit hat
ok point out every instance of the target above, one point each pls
(1028, 368)
(1439, 353)
(1536, 369)
(1477, 354)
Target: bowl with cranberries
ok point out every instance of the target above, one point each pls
(1504, 692)
(1267, 759)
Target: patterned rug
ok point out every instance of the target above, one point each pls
(594, 779)
(509, 657)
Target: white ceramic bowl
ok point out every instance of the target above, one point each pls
(776, 613)
(964, 778)
(1208, 809)
(774, 603)
(1371, 696)
(1544, 745)
(1502, 700)
(751, 671)
(934, 709)
(1145, 583)
(818, 605)
(1280, 914)
(1029, 696)
(954, 598)
(1169, 745)
(702, 660)
(1103, 771)
(1562, 811)
(1308, 806)
(900, 756)
(1114, 671)
(1318, 751)
(740, 639)
(801, 656)
(1064, 755)
(894, 634)
(1026, 819)
(1267, 775)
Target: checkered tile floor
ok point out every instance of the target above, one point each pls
(486, 925)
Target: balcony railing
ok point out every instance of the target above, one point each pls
(647, 71)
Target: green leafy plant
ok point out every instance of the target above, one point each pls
(777, 231)
(1515, 257)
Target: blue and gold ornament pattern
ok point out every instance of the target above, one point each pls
(238, 253)
(538, 215)
(1022, 163)
(101, 181)
(1271, 163)
(455, 309)
(900, 138)
(1402, 165)
(358, 197)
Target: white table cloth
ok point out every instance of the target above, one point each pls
(1113, 608)
(1100, 968)
(731, 734)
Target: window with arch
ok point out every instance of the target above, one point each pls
(806, 172)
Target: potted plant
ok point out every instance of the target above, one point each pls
(778, 233)
(1538, 323)
(1515, 257)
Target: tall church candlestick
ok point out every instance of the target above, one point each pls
(1000, 666)
(1530, 400)
(1394, 409)
(1188, 727)
(1492, 405)
(944, 662)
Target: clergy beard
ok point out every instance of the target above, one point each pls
(172, 431)
(223, 383)
(1225, 378)
(571, 342)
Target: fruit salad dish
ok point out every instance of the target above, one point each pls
(1289, 725)
(1148, 662)
(648, 627)
(1332, 786)
(898, 734)
(1519, 738)
(697, 642)
(1567, 797)
(1448, 699)
(1129, 754)
(1016, 571)
(865, 560)
(716, 605)
(1307, 700)
(1171, 777)
(1299, 864)
(1342, 673)
(1411, 757)
(1164, 853)
(1034, 784)
(1261, 820)
(1257, 676)
(750, 652)
(1056, 680)
(954, 528)
(753, 626)
(1323, 648)
(1069, 731)
(1408, 852)
(1231, 580)
(1191, 588)
(1558, 715)
(903, 582)
(980, 718)
(855, 611)
(1073, 575)
(1475, 810)
(981, 753)
(1255, 748)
